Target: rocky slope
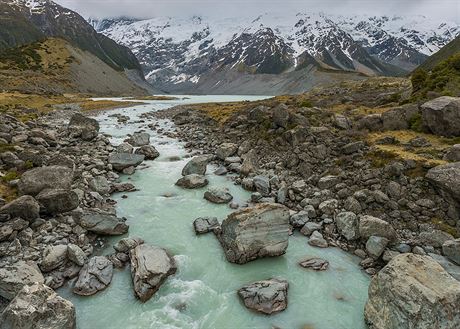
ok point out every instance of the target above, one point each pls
(25, 21)
(200, 54)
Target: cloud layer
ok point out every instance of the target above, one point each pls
(438, 9)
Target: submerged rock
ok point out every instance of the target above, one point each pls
(316, 264)
(218, 195)
(192, 181)
(94, 276)
(260, 231)
(15, 276)
(150, 267)
(101, 223)
(38, 307)
(267, 296)
(413, 291)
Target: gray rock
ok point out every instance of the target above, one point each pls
(205, 224)
(36, 180)
(76, 255)
(262, 185)
(38, 307)
(249, 163)
(447, 179)
(126, 244)
(218, 195)
(281, 116)
(100, 185)
(450, 267)
(56, 201)
(256, 232)
(83, 127)
(221, 171)
(101, 223)
(316, 264)
(442, 116)
(192, 181)
(413, 292)
(150, 267)
(121, 161)
(328, 182)
(25, 207)
(196, 165)
(451, 249)
(309, 228)
(139, 139)
(267, 296)
(300, 219)
(125, 148)
(226, 150)
(453, 153)
(353, 147)
(342, 122)
(54, 256)
(94, 276)
(317, 240)
(375, 246)
(348, 225)
(369, 225)
(14, 277)
(149, 151)
(328, 207)
(435, 238)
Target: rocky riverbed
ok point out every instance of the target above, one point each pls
(64, 172)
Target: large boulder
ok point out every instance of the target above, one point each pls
(413, 291)
(226, 150)
(83, 127)
(281, 116)
(205, 224)
(38, 307)
(15, 276)
(260, 231)
(139, 139)
(149, 151)
(196, 165)
(25, 207)
(369, 225)
(192, 181)
(100, 185)
(101, 223)
(442, 116)
(120, 161)
(54, 256)
(94, 276)
(36, 180)
(56, 201)
(348, 225)
(447, 179)
(267, 296)
(218, 195)
(150, 267)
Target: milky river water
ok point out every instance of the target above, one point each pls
(202, 294)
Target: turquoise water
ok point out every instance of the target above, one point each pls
(202, 294)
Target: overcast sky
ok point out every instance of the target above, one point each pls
(443, 9)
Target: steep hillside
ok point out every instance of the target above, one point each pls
(443, 54)
(55, 66)
(191, 54)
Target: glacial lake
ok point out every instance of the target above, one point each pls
(202, 294)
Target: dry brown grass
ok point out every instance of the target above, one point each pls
(7, 193)
(220, 112)
(153, 98)
(91, 105)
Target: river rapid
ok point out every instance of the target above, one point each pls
(202, 294)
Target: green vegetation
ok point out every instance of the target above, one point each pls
(415, 123)
(443, 79)
(22, 58)
(11, 175)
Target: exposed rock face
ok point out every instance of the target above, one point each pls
(447, 179)
(38, 307)
(413, 292)
(442, 116)
(267, 296)
(101, 223)
(205, 224)
(369, 226)
(139, 139)
(261, 231)
(34, 181)
(218, 195)
(150, 267)
(94, 276)
(83, 127)
(57, 201)
(348, 225)
(121, 161)
(196, 165)
(149, 151)
(25, 207)
(14, 277)
(192, 181)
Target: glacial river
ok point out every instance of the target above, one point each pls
(202, 294)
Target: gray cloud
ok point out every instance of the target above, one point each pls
(439, 9)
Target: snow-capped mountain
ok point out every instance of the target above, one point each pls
(181, 54)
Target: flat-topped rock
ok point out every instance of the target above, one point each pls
(15, 276)
(139, 139)
(442, 116)
(121, 161)
(413, 291)
(36, 180)
(56, 201)
(150, 267)
(94, 276)
(218, 195)
(101, 223)
(266, 296)
(252, 233)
